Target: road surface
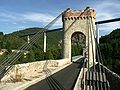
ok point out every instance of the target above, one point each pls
(66, 78)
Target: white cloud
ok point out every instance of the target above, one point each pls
(38, 17)
(14, 23)
(10, 17)
(42, 18)
(33, 17)
(108, 10)
(6, 15)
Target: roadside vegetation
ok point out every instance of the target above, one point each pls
(109, 44)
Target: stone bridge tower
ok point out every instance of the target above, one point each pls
(79, 21)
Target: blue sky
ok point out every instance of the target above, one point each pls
(20, 14)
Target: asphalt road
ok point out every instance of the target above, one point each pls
(66, 77)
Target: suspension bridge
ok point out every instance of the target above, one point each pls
(88, 72)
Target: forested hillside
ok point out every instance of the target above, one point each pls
(109, 44)
(14, 40)
(110, 48)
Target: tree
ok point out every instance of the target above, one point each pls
(30, 56)
(39, 55)
(109, 45)
(49, 55)
(21, 59)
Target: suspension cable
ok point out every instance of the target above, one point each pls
(104, 75)
(46, 63)
(91, 34)
(95, 73)
(88, 61)
(93, 55)
(100, 72)
(98, 50)
(100, 60)
(26, 46)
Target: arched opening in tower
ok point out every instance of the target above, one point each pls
(78, 44)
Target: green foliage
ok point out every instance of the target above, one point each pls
(1, 33)
(49, 55)
(21, 59)
(15, 40)
(39, 55)
(109, 44)
(76, 50)
(110, 48)
(30, 57)
(3, 56)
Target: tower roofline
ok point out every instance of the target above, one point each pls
(80, 14)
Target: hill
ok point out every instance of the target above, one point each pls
(109, 44)
(14, 40)
(110, 48)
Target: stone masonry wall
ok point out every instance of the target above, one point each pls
(75, 21)
(28, 71)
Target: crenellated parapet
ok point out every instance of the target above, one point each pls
(79, 14)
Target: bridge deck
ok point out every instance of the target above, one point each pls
(66, 77)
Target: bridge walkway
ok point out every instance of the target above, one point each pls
(67, 77)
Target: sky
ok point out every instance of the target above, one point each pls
(16, 15)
